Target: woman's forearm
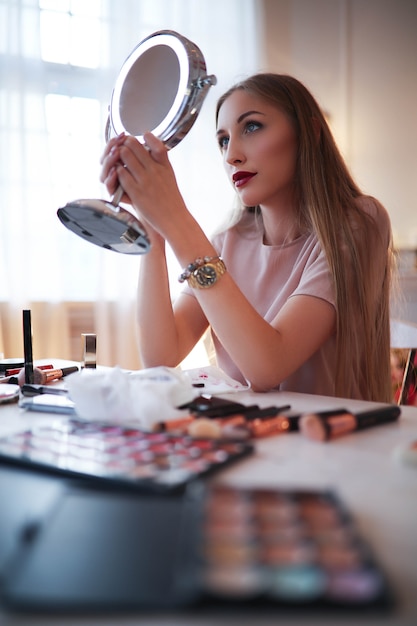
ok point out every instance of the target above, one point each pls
(266, 353)
(158, 343)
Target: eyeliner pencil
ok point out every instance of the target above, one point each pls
(27, 347)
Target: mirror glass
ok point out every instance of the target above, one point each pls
(156, 70)
(160, 88)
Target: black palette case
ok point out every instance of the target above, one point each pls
(70, 545)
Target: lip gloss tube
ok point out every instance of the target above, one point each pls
(322, 428)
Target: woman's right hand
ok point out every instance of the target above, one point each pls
(108, 176)
(109, 160)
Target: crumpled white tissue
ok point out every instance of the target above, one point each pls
(142, 398)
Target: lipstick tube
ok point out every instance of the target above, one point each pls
(89, 350)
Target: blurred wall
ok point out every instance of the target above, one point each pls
(359, 58)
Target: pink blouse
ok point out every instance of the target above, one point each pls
(269, 275)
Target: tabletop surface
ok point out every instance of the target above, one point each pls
(362, 468)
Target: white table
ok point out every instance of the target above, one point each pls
(379, 491)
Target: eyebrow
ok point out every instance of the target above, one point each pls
(241, 118)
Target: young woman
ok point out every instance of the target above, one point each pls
(296, 289)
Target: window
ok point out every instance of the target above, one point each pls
(59, 60)
(73, 32)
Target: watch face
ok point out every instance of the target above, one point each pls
(206, 275)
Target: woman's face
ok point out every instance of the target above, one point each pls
(259, 148)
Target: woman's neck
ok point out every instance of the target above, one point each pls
(280, 219)
(280, 227)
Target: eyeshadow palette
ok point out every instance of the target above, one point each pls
(104, 452)
(208, 549)
(287, 548)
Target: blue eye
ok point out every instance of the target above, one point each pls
(247, 128)
(223, 141)
(250, 127)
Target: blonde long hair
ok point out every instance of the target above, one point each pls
(328, 205)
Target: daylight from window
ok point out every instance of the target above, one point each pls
(59, 60)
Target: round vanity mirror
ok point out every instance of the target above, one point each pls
(160, 88)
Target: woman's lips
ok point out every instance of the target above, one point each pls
(241, 178)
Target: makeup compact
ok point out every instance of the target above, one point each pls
(9, 393)
(6, 364)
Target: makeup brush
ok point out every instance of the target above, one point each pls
(48, 376)
(322, 428)
(42, 377)
(20, 379)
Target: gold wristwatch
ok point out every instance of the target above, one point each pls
(207, 274)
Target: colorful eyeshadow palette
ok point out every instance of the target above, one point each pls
(291, 548)
(209, 549)
(156, 461)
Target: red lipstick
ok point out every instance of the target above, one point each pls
(241, 178)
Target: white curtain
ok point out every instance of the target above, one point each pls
(47, 161)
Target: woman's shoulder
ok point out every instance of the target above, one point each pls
(373, 208)
(378, 215)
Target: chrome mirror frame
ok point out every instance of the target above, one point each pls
(103, 222)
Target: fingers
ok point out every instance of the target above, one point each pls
(156, 147)
(109, 160)
(152, 151)
(113, 155)
(142, 161)
(111, 180)
(111, 144)
(143, 170)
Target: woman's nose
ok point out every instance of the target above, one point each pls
(234, 153)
